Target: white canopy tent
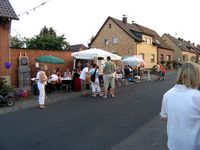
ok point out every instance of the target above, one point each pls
(93, 53)
(133, 60)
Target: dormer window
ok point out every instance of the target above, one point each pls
(145, 39)
(148, 40)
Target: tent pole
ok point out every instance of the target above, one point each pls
(122, 67)
(74, 63)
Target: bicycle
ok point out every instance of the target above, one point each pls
(120, 80)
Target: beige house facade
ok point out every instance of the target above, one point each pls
(114, 39)
(148, 52)
(125, 39)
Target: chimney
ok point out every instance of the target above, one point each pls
(124, 19)
(132, 22)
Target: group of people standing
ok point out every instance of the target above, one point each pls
(109, 68)
(44, 83)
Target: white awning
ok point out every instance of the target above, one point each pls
(94, 53)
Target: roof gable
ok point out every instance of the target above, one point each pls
(183, 45)
(78, 47)
(137, 31)
(6, 10)
(159, 41)
(128, 28)
(121, 25)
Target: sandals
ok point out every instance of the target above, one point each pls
(42, 107)
(104, 96)
(101, 94)
(113, 96)
(85, 93)
(94, 95)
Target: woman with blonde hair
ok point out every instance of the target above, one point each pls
(181, 109)
(41, 85)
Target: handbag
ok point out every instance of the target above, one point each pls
(93, 76)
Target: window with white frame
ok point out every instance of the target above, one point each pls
(145, 39)
(148, 40)
(106, 41)
(114, 40)
(152, 56)
(168, 57)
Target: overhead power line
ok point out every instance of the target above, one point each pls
(33, 9)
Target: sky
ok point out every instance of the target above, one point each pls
(79, 20)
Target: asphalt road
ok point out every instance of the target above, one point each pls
(87, 123)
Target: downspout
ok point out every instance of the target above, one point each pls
(136, 48)
(157, 54)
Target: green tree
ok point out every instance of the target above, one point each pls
(47, 39)
(17, 42)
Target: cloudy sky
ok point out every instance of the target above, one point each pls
(79, 20)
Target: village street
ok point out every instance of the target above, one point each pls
(128, 122)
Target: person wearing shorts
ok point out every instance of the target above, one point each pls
(108, 77)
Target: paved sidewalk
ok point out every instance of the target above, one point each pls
(32, 100)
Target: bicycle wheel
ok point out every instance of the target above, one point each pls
(10, 101)
(118, 83)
